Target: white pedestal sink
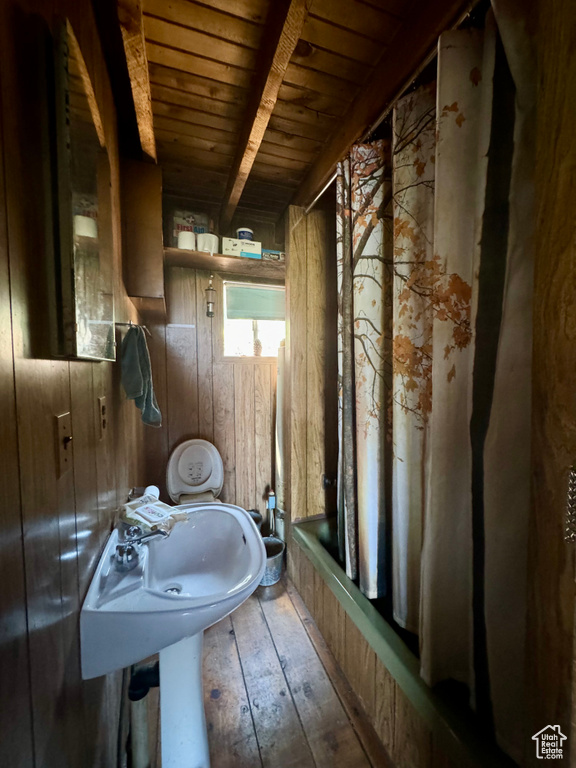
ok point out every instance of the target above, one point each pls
(205, 569)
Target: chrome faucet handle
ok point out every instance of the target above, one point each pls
(142, 537)
(126, 557)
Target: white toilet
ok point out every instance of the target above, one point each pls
(195, 472)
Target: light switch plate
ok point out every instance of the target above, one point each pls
(64, 450)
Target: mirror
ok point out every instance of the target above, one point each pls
(85, 300)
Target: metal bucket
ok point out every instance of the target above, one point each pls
(274, 556)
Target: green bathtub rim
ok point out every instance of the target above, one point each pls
(455, 734)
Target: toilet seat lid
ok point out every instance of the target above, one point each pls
(194, 467)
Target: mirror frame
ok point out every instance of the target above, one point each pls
(64, 318)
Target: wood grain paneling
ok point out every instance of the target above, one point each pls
(296, 352)
(182, 384)
(360, 665)
(141, 228)
(228, 403)
(15, 713)
(412, 738)
(384, 704)
(310, 252)
(245, 435)
(224, 431)
(181, 296)
(54, 525)
(317, 256)
(204, 342)
(263, 434)
(550, 647)
(157, 439)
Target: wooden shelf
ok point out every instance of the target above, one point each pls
(150, 308)
(235, 265)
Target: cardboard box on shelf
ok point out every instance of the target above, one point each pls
(269, 255)
(231, 246)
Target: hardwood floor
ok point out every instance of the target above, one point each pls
(274, 695)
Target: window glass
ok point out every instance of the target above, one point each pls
(254, 322)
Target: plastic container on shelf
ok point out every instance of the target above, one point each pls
(245, 233)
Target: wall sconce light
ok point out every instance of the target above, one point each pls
(210, 298)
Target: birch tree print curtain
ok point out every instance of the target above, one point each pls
(363, 243)
(458, 272)
(415, 270)
(475, 543)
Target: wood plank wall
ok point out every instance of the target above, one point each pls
(311, 385)
(552, 678)
(231, 404)
(52, 528)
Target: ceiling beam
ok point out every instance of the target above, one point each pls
(411, 45)
(280, 37)
(132, 28)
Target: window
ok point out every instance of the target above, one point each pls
(253, 319)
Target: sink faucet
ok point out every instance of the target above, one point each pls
(127, 555)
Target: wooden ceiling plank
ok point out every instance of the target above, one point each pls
(289, 140)
(281, 150)
(252, 10)
(184, 39)
(366, 20)
(194, 117)
(197, 160)
(325, 35)
(209, 20)
(132, 29)
(261, 194)
(180, 128)
(265, 189)
(283, 30)
(399, 8)
(331, 85)
(169, 138)
(278, 161)
(196, 65)
(277, 173)
(287, 124)
(330, 63)
(212, 182)
(260, 205)
(194, 101)
(189, 83)
(389, 77)
(290, 119)
(316, 102)
(300, 114)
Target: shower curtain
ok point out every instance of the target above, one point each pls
(415, 268)
(363, 245)
(477, 503)
(460, 275)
